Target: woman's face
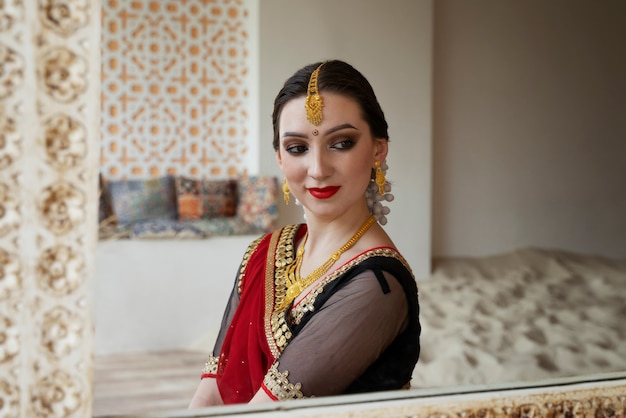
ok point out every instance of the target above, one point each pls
(328, 167)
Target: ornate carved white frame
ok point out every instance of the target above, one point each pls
(49, 127)
(600, 396)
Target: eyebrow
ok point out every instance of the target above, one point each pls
(339, 128)
(328, 132)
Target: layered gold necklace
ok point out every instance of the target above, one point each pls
(296, 284)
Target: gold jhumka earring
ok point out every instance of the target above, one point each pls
(380, 178)
(285, 191)
(313, 103)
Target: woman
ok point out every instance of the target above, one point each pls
(330, 306)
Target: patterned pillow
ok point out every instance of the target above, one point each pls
(205, 199)
(257, 201)
(139, 200)
(188, 198)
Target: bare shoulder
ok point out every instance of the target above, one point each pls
(377, 237)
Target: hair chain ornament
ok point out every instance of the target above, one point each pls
(296, 284)
(313, 104)
(285, 191)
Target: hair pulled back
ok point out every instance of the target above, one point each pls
(337, 77)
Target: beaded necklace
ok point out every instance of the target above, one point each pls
(296, 284)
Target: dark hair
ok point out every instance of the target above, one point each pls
(337, 77)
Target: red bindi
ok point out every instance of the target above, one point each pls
(315, 132)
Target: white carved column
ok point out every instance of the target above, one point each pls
(49, 127)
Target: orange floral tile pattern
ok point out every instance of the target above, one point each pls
(175, 82)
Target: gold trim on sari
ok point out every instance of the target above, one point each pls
(283, 246)
(278, 383)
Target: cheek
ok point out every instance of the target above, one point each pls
(357, 174)
(359, 168)
(367, 174)
(290, 170)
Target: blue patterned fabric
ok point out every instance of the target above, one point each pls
(166, 228)
(139, 200)
(225, 226)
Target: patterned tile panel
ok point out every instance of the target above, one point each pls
(175, 82)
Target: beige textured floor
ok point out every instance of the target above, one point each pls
(145, 382)
(522, 316)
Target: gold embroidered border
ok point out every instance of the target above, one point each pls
(280, 329)
(307, 303)
(246, 257)
(210, 367)
(284, 256)
(277, 330)
(278, 383)
(279, 254)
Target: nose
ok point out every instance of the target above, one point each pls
(319, 165)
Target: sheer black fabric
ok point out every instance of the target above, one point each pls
(361, 336)
(229, 312)
(345, 335)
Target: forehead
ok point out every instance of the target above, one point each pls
(337, 109)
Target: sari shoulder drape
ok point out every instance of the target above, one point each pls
(393, 368)
(261, 327)
(248, 350)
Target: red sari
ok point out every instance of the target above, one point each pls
(255, 333)
(245, 354)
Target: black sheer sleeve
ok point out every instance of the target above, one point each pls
(229, 312)
(346, 335)
(233, 300)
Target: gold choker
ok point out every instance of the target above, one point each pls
(295, 284)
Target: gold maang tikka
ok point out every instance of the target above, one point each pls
(313, 104)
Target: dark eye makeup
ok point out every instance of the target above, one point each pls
(298, 144)
(344, 144)
(296, 149)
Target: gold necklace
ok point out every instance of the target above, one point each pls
(296, 284)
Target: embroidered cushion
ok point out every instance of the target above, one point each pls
(188, 198)
(139, 200)
(257, 205)
(205, 199)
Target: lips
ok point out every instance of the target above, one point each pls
(323, 193)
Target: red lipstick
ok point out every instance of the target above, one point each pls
(323, 193)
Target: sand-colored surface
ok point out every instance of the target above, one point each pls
(519, 317)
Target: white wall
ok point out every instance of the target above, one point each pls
(390, 43)
(529, 126)
(160, 294)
